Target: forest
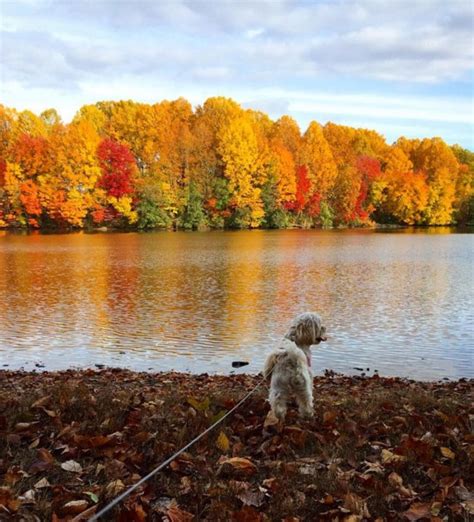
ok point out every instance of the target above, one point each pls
(128, 165)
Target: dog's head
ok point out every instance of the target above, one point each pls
(307, 329)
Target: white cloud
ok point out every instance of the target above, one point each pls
(253, 33)
(59, 52)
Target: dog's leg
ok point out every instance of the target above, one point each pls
(278, 404)
(305, 404)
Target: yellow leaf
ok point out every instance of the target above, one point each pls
(447, 453)
(199, 406)
(388, 457)
(223, 442)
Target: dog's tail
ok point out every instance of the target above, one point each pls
(270, 364)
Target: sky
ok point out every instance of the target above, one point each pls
(399, 67)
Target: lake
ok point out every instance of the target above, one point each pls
(400, 302)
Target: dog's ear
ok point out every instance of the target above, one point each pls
(306, 332)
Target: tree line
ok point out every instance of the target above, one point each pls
(134, 165)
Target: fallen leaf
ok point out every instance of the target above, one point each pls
(14, 474)
(417, 511)
(41, 402)
(329, 416)
(270, 420)
(114, 488)
(446, 452)
(468, 506)
(23, 426)
(395, 480)
(50, 413)
(175, 514)
(223, 442)
(247, 514)
(388, 457)
(45, 455)
(29, 496)
(238, 464)
(199, 405)
(92, 496)
(7, 500)
(72, 466)
(74, 507)
(85, 515)
(43, 483)
(356, 505)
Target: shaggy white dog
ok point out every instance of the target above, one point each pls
(289, 366)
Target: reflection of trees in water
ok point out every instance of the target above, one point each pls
(242, 311)
(392, 298)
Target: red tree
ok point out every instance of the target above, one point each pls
(302, 189)
(118, 167)
(369, 170)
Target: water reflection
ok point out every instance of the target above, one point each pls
(398, 302)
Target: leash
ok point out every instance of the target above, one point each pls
(127, 492)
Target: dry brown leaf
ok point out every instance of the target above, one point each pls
(41, 402)
(388, 457)
(468, 506)
(114, 488)
(7, 500)
(251, 497)
(176, 514)
(240, 465)
(417, 511)
(270, 420)
(395, 480)
(74, 507)
(85, 515)
(329, 416)
(356, 505)
(247, 514)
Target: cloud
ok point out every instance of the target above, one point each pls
(198, 48)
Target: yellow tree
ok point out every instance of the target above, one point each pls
(285, 174)
(464, 201)
(286, 131)
(206, 168)
(238, 149)
(406, 197)
(93, 115)
(317, 156)
(67, 192)
(437, 161)
(341, 140)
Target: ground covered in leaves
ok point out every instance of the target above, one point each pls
(377, 449)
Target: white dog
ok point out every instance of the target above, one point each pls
(289, 366)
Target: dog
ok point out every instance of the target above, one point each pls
(289, 366)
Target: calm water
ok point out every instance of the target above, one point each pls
(398, 302)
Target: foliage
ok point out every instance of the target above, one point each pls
(376, 449)
(129, 164)
(193, 216)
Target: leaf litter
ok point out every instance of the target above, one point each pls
(376, 449)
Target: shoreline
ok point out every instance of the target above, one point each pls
(377, 448)
(110, 229)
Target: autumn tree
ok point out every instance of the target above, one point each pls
(316, 154)
(239, 152)
(464, 200)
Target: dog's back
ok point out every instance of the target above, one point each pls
(288, 366)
